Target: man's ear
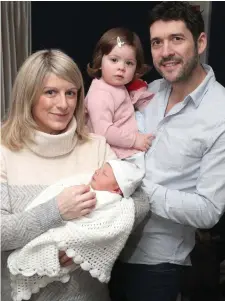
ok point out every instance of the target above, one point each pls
(202, 43)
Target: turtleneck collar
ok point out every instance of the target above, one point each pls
(47, 145)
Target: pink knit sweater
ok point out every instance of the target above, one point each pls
(111, 113)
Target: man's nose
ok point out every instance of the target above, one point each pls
(167, 50)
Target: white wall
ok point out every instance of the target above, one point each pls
(205, 7)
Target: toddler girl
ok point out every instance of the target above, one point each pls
(118, 64)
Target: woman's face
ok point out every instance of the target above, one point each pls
(55, 107)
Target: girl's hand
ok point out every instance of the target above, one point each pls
(143, 141)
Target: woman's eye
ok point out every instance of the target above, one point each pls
(50, 92)
(71, 93)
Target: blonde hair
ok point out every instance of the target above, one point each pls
(20, 125)
(108, 41)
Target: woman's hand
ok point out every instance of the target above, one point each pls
(76, 201)
(64, 259)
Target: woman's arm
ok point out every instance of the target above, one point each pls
(17, 229)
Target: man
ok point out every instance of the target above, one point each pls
(185, 167)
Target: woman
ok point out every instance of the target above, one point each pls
(43, 140)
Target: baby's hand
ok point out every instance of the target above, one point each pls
(143, 141)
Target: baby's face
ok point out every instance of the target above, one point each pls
(104, 179)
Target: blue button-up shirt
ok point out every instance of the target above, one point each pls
(185, 172)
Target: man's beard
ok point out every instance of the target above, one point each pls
(186, 71)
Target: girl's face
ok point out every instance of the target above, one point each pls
(119, 66)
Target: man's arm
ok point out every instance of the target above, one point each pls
(204, 207)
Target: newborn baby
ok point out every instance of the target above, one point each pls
(119, 177)
(93, 241)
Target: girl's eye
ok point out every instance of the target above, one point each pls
(114, 60)
(129, 63)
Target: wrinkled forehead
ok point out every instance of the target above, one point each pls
(162, 29)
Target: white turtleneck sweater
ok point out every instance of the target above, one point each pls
(24, 174)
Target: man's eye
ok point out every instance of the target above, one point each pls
(177, 39)
(156, 43)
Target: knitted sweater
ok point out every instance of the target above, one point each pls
(24, 174)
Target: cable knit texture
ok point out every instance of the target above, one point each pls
(93, 242)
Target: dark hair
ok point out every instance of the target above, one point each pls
(179, 10)
(108, 41)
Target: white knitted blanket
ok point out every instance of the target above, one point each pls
(93, 242)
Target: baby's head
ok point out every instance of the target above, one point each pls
(117, 176)
(104, 179)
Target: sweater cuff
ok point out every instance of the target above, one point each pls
(48, 215)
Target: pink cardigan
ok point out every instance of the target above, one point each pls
(111, 114)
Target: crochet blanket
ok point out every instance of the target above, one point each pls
(93, 242)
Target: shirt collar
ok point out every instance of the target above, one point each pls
(200, 91)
